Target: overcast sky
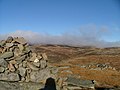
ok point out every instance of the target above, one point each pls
(75, 22)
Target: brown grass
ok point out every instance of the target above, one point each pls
(61, 56)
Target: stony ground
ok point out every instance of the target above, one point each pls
(99, 64)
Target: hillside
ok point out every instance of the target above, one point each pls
(98, 64)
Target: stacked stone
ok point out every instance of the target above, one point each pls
(19, 63)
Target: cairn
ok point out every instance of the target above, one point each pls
(19, 63)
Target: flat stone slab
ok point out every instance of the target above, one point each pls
(79, 82)
(7, 55)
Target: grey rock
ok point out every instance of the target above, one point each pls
(20, 40)
(33, 67)
(17, 52)
(40, 76)
(9, 77)
(79, 82)
(27, 78)
(74, 88)
(28, 70)
(22, 79)
(4, 50)
(1, 49)
(60, 82)
(3, 76)
(12, 62)
(26, 51)
(9, 44)
(34, 56)
(21, 47)
(9, 39)
(20, 86)
(2, 43)
(3, 63)
(43, 64)
(11, 49)
(20, 65)
(13, 77)
(37, 64)
(7, 55)
(11, 67)
(22, 71)
(2, 69)
(44, 56)
(20, 59)
(39, 56)
(54, 70)
(16, 66)
(24, 64)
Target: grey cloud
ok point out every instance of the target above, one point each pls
(86, 35)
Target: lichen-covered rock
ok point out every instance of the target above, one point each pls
(7, 55)
(3, 63)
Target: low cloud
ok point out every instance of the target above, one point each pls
(89, 35)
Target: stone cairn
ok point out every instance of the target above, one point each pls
(19, 63)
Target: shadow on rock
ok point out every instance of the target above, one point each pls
(50, 84)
